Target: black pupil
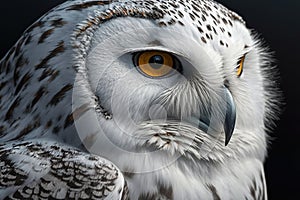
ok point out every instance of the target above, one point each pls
(156, 61)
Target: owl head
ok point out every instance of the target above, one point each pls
(171, 80)
(154, 81)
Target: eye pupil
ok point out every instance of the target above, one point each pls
(156, 64)
(156, 61)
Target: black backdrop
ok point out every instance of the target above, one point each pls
(277, 21)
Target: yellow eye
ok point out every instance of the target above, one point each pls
(240, 67)
(155, 63)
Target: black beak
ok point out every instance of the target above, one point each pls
(204, 121)
(230, 117)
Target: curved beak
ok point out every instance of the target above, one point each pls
(230, 117)
(204, 121)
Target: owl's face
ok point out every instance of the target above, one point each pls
(180, 89)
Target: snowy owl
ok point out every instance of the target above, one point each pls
(131, 99)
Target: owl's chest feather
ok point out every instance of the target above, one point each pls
(237, 180)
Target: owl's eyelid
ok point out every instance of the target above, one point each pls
(152, 48)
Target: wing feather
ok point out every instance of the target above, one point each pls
(50, 170)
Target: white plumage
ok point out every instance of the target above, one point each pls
(135, 99)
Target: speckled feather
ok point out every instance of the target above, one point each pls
(36, 82)
(44, 170)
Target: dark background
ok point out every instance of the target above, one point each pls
(278, 23)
